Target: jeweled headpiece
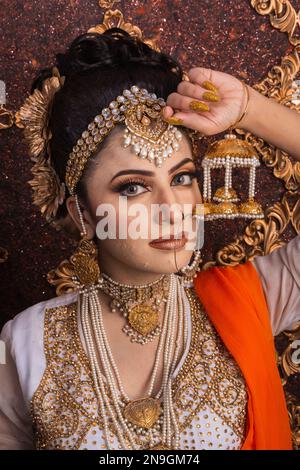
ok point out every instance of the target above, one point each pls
(146, 131)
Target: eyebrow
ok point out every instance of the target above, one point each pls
(151, 173)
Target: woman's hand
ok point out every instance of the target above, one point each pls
(224, 106)
(209, 103)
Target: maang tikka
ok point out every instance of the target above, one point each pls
(150, 136)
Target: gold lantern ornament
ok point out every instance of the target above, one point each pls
(230, 153)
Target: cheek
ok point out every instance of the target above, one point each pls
(105, 207)
(131, 252)
(123, 223)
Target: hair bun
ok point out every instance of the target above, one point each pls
(112, 48)
(115, 47)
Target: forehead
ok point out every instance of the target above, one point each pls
(115, 157)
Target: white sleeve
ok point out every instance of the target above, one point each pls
(15, 423)
(279, 273)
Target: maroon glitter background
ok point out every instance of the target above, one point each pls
(224, 35)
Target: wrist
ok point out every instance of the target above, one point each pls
(256, 104)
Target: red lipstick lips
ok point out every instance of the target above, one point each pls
(170, 243)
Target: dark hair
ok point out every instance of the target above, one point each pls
(97, 68)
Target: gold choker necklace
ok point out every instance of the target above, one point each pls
(140, 305)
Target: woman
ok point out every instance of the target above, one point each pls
(145, 354)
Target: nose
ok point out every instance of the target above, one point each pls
(170, 209)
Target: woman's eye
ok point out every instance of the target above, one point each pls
(184, 178)
(132, 189)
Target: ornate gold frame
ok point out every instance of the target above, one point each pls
(283, 16)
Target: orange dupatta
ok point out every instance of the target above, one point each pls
(235, 303)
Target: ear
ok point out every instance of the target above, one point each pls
(88, 222)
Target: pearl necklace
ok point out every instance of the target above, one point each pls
(130, 419)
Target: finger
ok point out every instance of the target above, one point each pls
(196, 122)
(200, 74)
(167, 112)
(196, 91)
(209, 77)
(205, 77)
(184, 103)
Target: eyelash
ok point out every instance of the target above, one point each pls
(136, 181)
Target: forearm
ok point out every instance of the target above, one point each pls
(275, 123)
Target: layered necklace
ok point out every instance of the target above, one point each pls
(140, 305)
(149, 421)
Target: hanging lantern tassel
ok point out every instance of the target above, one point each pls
(230, 153)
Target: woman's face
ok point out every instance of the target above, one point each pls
(124, 195)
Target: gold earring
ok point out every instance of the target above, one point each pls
(190, 270)
(85, 263)
(85, 259)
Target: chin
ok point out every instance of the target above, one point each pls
(164, 261)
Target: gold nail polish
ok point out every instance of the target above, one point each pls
(174, 121)
(210, 86)
(199, 106)
(209, 96)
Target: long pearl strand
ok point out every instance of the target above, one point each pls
(168, 405)
(91, 309)
(97, 376)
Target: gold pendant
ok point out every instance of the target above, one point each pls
(146, 122)
(143, 412)
(143, 318)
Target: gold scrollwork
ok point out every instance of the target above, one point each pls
(289, 366)
(6, 118)
(294, 414)
(283, 16)
(290, 358)
(107, 3)
(115, 19)
(62, 277)
(261, 237)
(279, 85)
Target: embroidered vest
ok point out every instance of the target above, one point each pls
(208, 390)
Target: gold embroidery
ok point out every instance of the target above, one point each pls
(64, 407)
(209, 376)
(64, 403)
